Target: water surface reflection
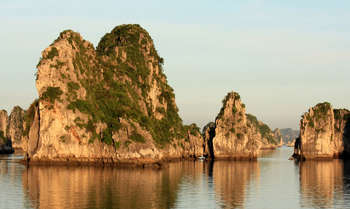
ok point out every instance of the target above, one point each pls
(321, 184)
(271, 182)
(232, 180)
(221, 185)
(91, 187)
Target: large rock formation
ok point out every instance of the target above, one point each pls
(15, 127)
(5, 141)
(3, 124)
(5, 144)
(3, 121)
(324, 132)
(235, 134)
(208, 133)
(278, 137)
(110, 105)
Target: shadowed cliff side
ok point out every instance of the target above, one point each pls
(208, 135)
(5, 144)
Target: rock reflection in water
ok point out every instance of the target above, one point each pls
(321, 183)
(91, 187)
(232, 179)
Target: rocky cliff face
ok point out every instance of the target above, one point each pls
(324, 132)
(3, 121)
(15, 127)
(5, 142)
(208, 133)
(12, 128)
(112, 104)
(278, 137)
(235, 134)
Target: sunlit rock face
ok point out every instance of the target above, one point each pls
(111, 104)
(16, 126)
(324, 132)
(278, 137)
(3, 121)
(5, 142)
(237, 135)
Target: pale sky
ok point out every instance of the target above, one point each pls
(281, 56)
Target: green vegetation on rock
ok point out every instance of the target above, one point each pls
(52, 94)
(264, 129)
(320, 113)
(321, 110)
(117, 79)
(52, 53)
(137, 137)
(230, 95)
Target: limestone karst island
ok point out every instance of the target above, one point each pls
(174, 105)
(113, 105)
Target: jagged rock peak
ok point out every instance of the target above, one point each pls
(231, 132)
(231, 105)
(238, 135)
(131, 37)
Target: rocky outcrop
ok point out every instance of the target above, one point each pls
(262, 133)
(3, 121)
(208, 133)
(235, 134)
(324, 132)
(278, 137)
(15, 127)
(342, 131)
(110, 105)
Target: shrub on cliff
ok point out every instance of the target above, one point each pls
(52, 94)
(52, 53)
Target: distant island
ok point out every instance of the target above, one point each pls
(289, 135)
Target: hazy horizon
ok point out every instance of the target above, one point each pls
(282, 58)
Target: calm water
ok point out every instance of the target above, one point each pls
(272, 182)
